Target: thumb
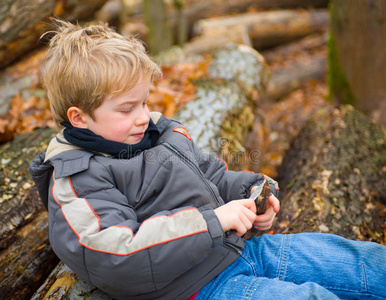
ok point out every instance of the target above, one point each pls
(274, 203)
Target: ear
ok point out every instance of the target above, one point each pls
(76, 117)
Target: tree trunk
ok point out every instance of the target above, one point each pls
(159, 35)
(22, 22)
(333, 177)
(268, 29)
(357, 73)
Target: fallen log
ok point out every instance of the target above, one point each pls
(26, 257)
(294, 64)
(307, 46)
(208, 44)
(270, 28)
(222, 109)
(27, 262)
(333, 177)
(22, 22)
(287, 79)
(199, 10)
(19, 202)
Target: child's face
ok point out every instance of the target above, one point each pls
(124, 118)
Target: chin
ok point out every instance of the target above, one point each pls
(133, 142)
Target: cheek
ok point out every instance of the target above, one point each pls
(122, 128)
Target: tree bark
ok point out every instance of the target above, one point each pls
(22, 22)
(159, 34)
(19, 202)
(26, 257)
(268, 29)
(357, 75)
(333, 177)
(27, 262)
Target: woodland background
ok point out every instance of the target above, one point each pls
(291, 88)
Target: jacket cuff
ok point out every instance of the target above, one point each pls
(214, 227)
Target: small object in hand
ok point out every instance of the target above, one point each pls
(261, 195)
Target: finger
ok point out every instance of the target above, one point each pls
(253, 189)
(241, 228)
(268, 215)
(244, 221)
(262, 228)
(267, 223)
(250, 214)
(250, 204)
(248, 219)
(274, 203)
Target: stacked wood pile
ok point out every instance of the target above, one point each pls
(261, 30)
(297, 141)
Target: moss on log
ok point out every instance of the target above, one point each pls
(333, 177)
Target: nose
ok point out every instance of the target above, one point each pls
(143, 116)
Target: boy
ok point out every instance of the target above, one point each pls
(137, 210)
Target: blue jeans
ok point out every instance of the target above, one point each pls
(302, 266)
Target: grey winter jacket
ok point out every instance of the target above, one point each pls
(141, 228)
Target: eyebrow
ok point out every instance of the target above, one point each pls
(131, 102)
(128, 103)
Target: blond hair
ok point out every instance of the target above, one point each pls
(84, 65)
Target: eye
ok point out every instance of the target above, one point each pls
(126, 111)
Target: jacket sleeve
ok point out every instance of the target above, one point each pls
(231, 185)
(99, 236)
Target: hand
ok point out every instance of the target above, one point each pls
(265, 221)
(237, 215)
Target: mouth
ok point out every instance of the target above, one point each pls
(138, 135)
